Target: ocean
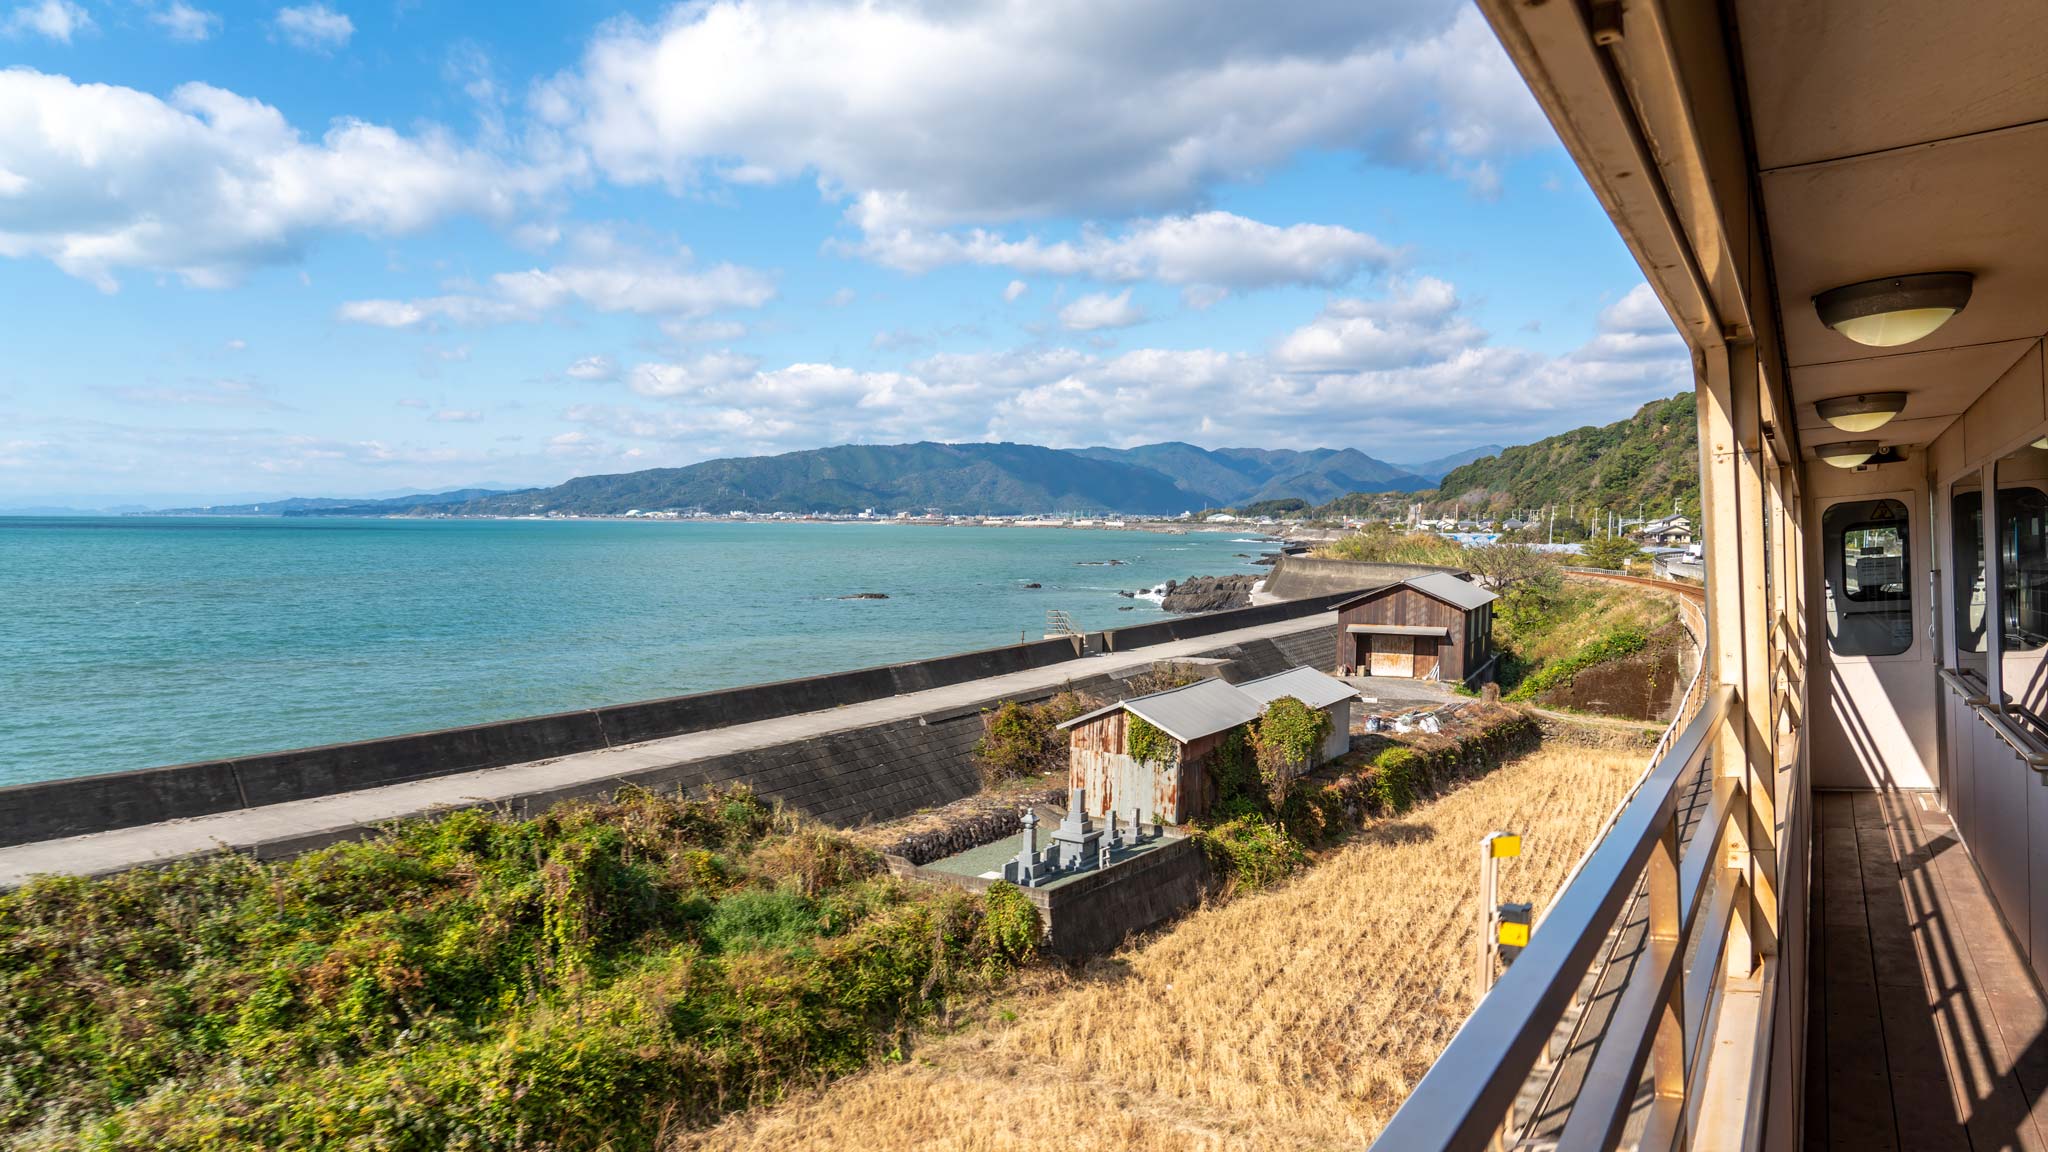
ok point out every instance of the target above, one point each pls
(134, 642)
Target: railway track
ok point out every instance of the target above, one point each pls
(1692, 592)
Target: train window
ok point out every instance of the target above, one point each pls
(2022, 611)
(1868, 585)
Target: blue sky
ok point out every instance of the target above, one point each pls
(340, 248)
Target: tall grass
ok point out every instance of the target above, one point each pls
(1297, 1017)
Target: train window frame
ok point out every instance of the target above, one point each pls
(1966, 514)
(1888, 639)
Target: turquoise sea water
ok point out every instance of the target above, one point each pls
(133, 642)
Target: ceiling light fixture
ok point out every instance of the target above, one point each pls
(1865, 413)
(1848, 453)
(1895, 310)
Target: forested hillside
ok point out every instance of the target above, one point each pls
(1650, 461)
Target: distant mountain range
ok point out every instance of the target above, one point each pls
(298, 504)
(1002, 479)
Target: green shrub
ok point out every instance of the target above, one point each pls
(1020, 740)
(762, 919)
(1010, 928)
(1397, 778)
(1609, 552)
(1251, 851)
(1287, 737)
(1234, 769)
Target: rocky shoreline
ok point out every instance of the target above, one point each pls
(1210, 593)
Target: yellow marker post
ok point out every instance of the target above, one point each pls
(1492, 850)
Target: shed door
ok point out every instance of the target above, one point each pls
(1426, 653)
(1393, 656)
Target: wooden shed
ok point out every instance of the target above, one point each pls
(1427, 627)
(1196, 719)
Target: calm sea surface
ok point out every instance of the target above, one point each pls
(130, 642)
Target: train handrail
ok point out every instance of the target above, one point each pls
(1461, 1104)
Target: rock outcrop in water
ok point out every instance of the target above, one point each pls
(1210, 593)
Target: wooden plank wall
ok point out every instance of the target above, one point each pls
(1409, 608)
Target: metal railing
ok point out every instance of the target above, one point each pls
(1657, 1023)
(2024, 743)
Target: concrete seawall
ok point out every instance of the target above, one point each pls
(840, 760)
(1311, 577)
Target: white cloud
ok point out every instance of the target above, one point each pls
(236, 345)
(841, 298)
(705, 374)
(1210, 248)
(1639, 311)
(58, 20)
(457, 416)
(1010, 109)
(593, 369)
(209, 183)
(607, 277)
(1101, 310)
(648, 289)
(184, 22)
(1015, 291)
(314, 27)
(1424, 374)
(1415, 323)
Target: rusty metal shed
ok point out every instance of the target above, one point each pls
(1198, 718)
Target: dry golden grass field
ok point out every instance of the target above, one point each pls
(1296, 1018)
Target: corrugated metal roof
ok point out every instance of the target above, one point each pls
(1207, 707)
(1451, 590)
(1203, 708)
(1461, 594)
(1307, 685)
(1189, 712)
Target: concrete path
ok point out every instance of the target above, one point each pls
(327, 818)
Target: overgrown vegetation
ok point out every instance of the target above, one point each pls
(1545, 625)
(585, 979)
(1286, 739)
(1385, 544)
(1611, 646)
(1020, 740)
(1257, 834)
(1144, 742)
